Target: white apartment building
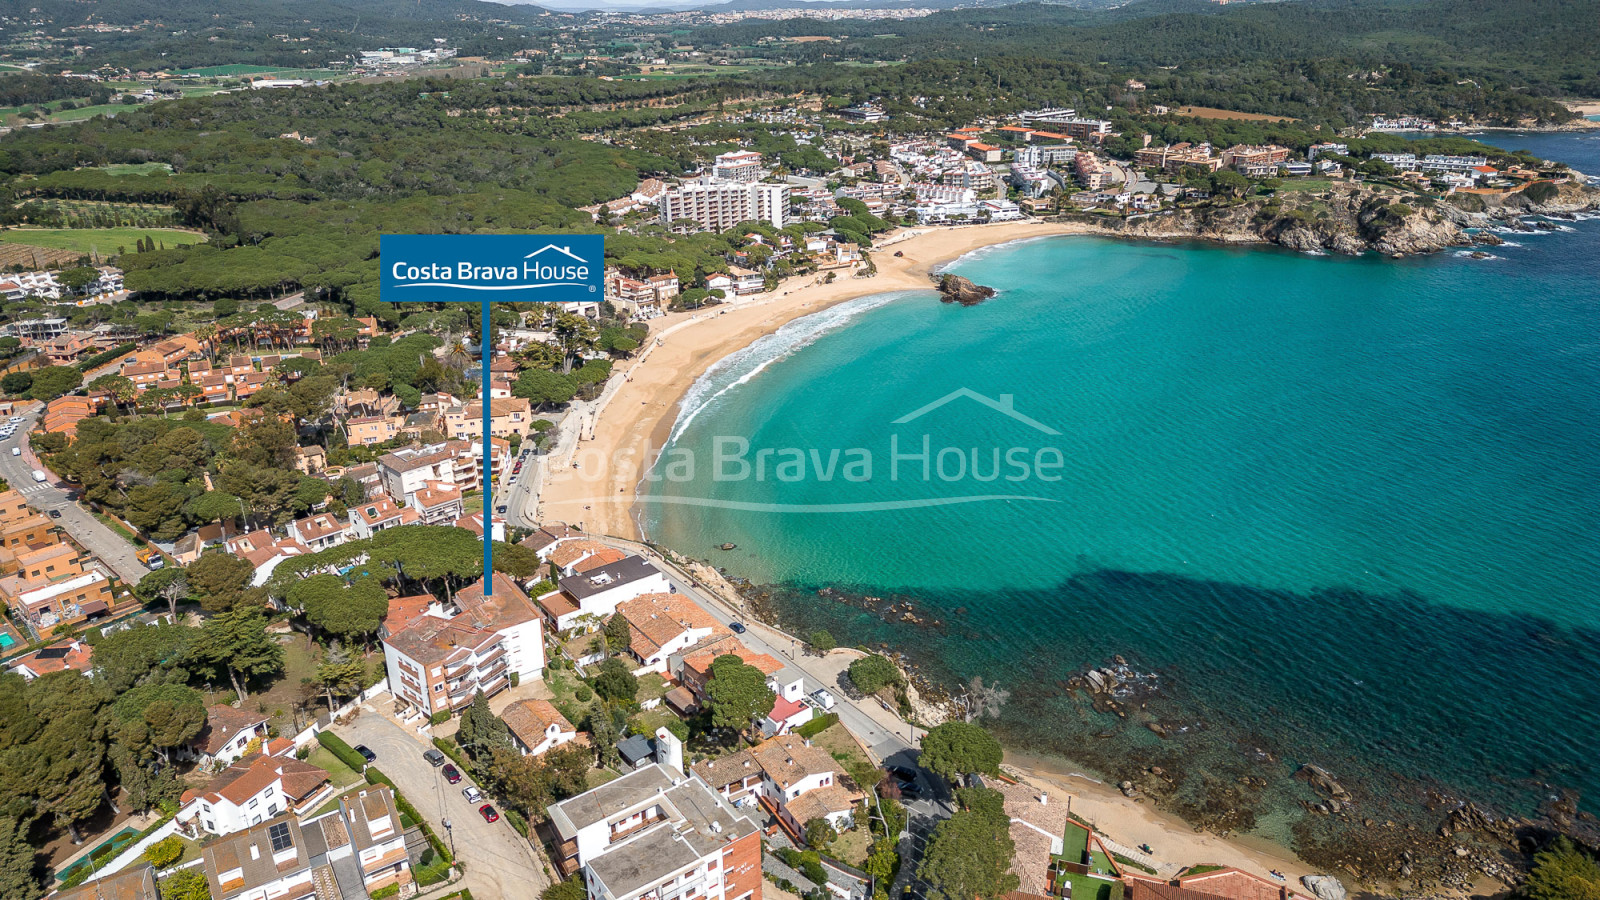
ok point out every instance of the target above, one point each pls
(658, 833)
(718, 205)
(740, 165)
(404, 472)
(440, 658)
(358, 847)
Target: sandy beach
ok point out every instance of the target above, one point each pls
(1133, 822)
(594, 485)
(1584, 107)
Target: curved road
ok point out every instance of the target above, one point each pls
(112, 549)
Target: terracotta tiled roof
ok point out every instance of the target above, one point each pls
(573, 551)
(1235, 884)
(250, 776)
(700, 659)
(655, 619)
(223, 722)
(603, 557)
(528, 720)
(788, 759)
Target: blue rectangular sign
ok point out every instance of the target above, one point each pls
(545, 268)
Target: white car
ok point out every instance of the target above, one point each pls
(472, 794)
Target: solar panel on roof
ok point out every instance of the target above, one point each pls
(54, 652)
(281, 839)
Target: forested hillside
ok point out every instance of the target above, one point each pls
(298, 33)
(393, 157)
(1332, 48)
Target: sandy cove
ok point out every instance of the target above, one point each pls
(599, 492)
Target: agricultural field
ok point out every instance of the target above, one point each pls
(24, 256)
(1209, 112)
(101, 242)
(50, 213)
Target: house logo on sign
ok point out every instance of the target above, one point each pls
(498, 267)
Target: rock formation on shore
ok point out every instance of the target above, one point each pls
(1355, 218)
(955, 289)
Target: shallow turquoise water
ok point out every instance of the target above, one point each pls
(1349, 510)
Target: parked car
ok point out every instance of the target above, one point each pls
(737, 627)
(823, 698)
(500, 509)
(55, 513)
(433, 756)
(488, 813)
(452, 774)
(472, 794)
(366, 753)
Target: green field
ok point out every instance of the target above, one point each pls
(237, 69)
(136, 168)
(100, 240)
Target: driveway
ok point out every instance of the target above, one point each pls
(498, 862)
(110, 548)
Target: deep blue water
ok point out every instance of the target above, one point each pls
(1347, 510)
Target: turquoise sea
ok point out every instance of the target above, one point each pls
(1339, 511)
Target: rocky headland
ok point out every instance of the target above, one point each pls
(1354, 218)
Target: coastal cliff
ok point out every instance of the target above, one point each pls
(1354, 218)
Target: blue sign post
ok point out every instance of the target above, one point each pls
(485, 269)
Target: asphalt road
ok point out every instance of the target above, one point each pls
(109, 547)
(497, 861)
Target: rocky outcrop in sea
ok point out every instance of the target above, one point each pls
(955, 289)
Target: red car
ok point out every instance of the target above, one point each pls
(489, 815)
(452, 774)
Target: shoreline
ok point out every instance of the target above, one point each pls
(1137, 820)
(691, 343)
(596, 489)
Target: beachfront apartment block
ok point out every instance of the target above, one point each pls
(404, 472)
(439, 655)
(717, 205)
(350, 852)
(658, 833)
